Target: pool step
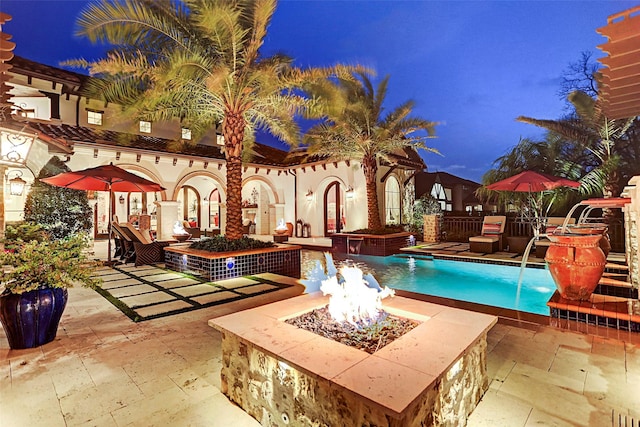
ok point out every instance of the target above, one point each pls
(600, 310)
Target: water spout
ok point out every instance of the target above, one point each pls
(523, 265)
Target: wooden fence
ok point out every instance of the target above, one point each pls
(460, 228)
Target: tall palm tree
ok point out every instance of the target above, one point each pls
(198, 61)
(599, 136)
(356, 129)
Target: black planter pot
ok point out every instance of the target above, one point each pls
(31, 319)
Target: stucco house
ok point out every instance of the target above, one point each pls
(47, 105)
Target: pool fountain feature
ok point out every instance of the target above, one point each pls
(179, 233)
(434, 374)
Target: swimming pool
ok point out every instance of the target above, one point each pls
(489, 284)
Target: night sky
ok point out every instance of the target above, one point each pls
(474, 66)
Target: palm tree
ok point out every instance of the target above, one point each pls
(355, 129)
(198, 61)
(599, 136)
(554, 156)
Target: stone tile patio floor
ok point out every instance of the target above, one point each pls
(104, 370)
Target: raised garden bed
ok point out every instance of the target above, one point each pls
(281, 259)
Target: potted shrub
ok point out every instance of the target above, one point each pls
(34, 279)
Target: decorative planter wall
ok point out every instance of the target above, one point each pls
(282, 259)
(576, 264)
(31, 319)
(369, 244)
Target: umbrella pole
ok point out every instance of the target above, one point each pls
(109, 226)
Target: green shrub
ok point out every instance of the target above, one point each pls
(49, 263)
(18, 233)
(222, 244)
(425, 205)
(61, 212)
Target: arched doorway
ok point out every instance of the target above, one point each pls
(334, 209)
(214, 208)
(189, 205)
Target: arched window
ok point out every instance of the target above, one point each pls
(392, 201)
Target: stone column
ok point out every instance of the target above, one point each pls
(431, 233)
(632, 239)
(167, 215)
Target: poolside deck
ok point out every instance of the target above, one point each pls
(104, 370)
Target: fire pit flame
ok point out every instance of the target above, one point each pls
(356, 299)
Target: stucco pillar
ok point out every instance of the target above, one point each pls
(166, 215)
(223, 218)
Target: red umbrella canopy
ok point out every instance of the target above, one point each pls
(532, 182)
(103, 178)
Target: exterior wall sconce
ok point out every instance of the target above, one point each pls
(349, 192)
(121, 200)
(16, 184)
(309, 195)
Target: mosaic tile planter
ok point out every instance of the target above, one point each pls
(369, 244)
(282, 375)
(282, 259)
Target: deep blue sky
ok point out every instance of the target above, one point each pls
(472, 65)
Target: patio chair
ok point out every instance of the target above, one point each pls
(490, 240)
(147, 251)
(124, 245)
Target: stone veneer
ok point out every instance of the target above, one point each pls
(282, 375)
(281, 259)
(431, 228)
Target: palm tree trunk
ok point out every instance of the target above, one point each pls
(370, 168)
(233, 132)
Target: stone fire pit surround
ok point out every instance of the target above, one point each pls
(282, 375)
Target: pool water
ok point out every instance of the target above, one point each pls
(489, 284)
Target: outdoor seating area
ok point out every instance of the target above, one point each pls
(133, 245)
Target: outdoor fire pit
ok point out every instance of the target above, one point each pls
(434, 374)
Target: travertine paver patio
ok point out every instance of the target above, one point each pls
(104, 370)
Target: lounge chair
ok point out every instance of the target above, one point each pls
(490, 240)
(124, 245)
(147, 251)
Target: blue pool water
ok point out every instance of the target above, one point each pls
(489, 284)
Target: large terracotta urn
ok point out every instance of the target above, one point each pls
(576, 263)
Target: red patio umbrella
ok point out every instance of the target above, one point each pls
(533, 182)
(104, 178)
